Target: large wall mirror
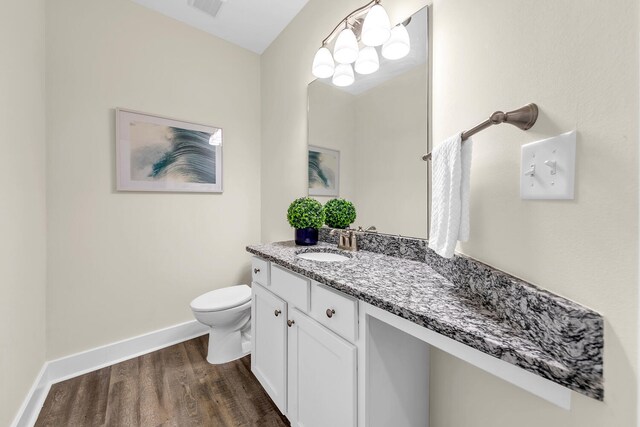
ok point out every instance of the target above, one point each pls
(365, 140)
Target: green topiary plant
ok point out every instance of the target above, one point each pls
(305, 212)
(340, 213)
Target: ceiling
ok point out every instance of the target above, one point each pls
(251, 24)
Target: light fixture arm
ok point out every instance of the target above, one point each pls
(345, 20)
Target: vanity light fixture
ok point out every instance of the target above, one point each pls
(369, 24)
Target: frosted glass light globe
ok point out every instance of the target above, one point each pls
(323, 65)
(367, 61)
(343, 75)
(398, 45)
(345, 50)
(376, 28)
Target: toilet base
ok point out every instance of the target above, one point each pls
(227, 347)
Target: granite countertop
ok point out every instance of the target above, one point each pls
(415, 291)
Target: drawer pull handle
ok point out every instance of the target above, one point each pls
(290, 323)
(256, 270)
(277, 312)
(330, 312)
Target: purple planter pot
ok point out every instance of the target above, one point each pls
(306, 236)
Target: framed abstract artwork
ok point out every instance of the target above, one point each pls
(324, 171)
(155, 153)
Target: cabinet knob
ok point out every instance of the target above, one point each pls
(277, 312)
(256, 270)
(290, 322)
(330, 312)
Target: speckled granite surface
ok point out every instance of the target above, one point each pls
(403, 247)
(469, 302)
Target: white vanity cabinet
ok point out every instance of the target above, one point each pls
(269, 344)
(322, 375)
(309, 370)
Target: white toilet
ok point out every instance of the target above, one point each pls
(227, 312)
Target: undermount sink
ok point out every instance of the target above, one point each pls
(323, 256)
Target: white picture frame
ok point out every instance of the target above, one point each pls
(323, 171)
(156, 153)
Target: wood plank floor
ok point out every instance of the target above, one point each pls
(174, 386)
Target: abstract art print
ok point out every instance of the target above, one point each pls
(156, 153)
(324, 171)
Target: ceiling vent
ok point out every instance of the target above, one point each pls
(210, 7)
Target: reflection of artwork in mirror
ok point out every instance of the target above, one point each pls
(324, 171)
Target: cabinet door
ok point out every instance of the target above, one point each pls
(269, 344)
(322, 375)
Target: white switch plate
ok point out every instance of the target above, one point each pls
(539, 157)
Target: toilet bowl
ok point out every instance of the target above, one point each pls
(227, 312)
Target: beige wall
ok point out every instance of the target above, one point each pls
(23, 202)
(122, 264)
(285, 74)
(579, 62)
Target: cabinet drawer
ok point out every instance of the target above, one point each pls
(335, 310)
(260, 271)
(289, 286)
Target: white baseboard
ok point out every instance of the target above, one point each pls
(77, 364)
(28, 412)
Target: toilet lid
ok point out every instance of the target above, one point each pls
(222, 299)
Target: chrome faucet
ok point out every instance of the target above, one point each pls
(347, 238)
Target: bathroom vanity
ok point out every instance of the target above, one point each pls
(304, 350)
(347, 342)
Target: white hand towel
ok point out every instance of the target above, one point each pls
(451, 164)
(465, 184)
